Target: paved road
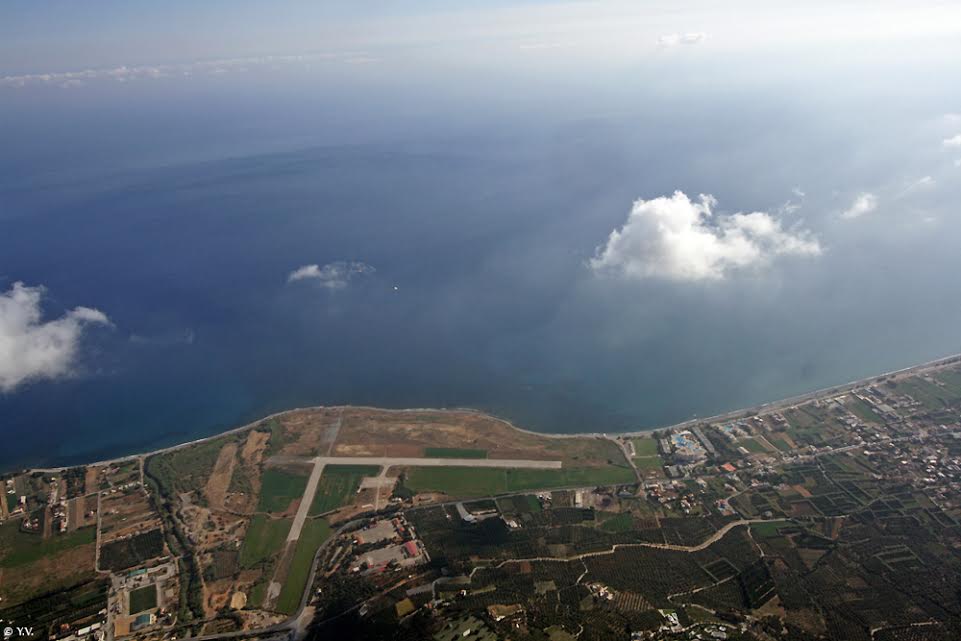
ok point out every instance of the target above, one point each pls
(319, 462)
(307, 500)
(390, 461)
(714, 538)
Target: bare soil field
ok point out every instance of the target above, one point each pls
(219, 480)
(91, 478)
(374, 432)
(308, 431)
(253, 450)
(211, 528)
(126, 513)
(243, 486)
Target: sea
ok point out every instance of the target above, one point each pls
(452, 242)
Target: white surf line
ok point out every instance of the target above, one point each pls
(307, 500)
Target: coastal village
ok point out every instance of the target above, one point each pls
(457, 525)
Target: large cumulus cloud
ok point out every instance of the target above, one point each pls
(31, 348)
(675, 238)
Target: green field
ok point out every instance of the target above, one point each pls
(862, 410)
(278, 436)
(780, 444)
(337, 484)
(453, 452)
(646, 463)
(768, 530)
(922, 391)
(265, 537)
(257, 593)
(623, 522)
(752, 446)
(315, 532)
(645, 447)
(22, 548)
(952, 381)
(143, 598)
(278, 488)
(478, 481)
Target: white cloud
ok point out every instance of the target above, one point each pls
(332, 275)
(952, 142)
(673, 238)
(865, 203)
(674, 39)
(32, 349)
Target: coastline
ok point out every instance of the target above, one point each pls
(769, 406)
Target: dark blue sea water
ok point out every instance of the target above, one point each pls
(181, 222)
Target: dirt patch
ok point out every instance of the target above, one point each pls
(218, 596)
(803, 508)
(121, 626)
(803, 491)
(75, 513)
(243, 489)
(772, 608)
(210, 529)
(91, 479)
(255, 619)
(254, 446)
(219, 480)
(238, 601)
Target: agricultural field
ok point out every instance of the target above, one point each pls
(468, 482)
(70, 604)
(126, 512)
(338, 484)
(648, 463)
(121, 554)
(279, 488)
(315, 532)
(752, 445)
(265, 538)
(31, 566)
(18, 548)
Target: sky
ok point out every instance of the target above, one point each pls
(67, 36)
(763, 195)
